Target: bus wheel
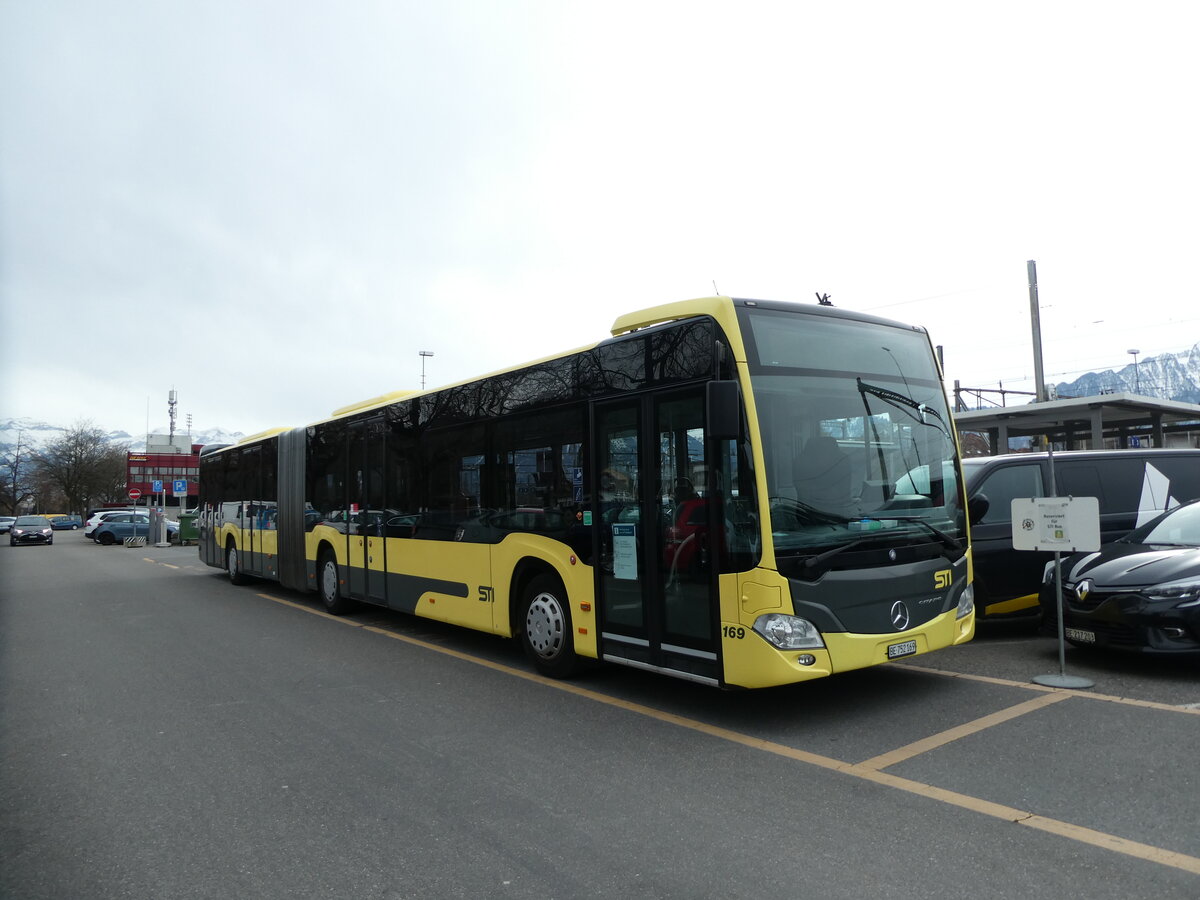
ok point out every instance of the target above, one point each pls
(236, 575)
(546, 627)
(327, 583)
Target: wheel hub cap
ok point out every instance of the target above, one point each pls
(544, 625)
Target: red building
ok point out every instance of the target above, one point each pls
(165, 462)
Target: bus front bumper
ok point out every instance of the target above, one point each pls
(752, 662)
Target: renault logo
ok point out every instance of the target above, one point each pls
(899, 615)
(1083, 589)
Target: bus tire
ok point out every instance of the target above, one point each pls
(328, 579)
(233, 565)
(546, 632)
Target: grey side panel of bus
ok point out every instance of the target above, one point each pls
(293, 447)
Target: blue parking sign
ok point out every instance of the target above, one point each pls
(179, 487)
(156, 487)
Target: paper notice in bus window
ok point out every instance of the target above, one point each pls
(625, 552)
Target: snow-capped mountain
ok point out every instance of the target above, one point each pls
(1171, 376)
(41, 433)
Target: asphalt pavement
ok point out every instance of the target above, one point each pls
(166, 734)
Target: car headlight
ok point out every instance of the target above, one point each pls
(788, 632)
(1186, 592)
(966, 603)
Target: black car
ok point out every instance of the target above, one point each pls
(1140, 593)
(1131, 487)
(31, 530)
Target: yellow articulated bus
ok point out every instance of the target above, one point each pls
(736, 492)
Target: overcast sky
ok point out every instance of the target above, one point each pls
(272, 207)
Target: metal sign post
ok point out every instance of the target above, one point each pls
(1057, 523)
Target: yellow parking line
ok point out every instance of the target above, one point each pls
(308, 609)
(934, 741)
(1029, 686)
(1100, 839)
(868, 771)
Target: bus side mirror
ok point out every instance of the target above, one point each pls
(977, 507)
(723, 405)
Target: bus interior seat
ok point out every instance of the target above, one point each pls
(822, 473)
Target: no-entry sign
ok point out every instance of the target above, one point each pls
(134, 494)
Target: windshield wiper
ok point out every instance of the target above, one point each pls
(813, 561)
(951, 543)
(906, 403)
(811, 514)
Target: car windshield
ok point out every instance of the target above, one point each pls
(856, 434)
(1179, 527)
(32, 521)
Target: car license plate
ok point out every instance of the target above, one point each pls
(1078, 634)
(908, 648)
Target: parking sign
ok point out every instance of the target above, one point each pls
(179, 487)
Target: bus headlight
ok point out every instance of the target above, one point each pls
(966, 603)
(788, 632)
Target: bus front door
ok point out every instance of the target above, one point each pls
(657, 598)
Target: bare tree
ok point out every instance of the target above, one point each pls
(18, 467)
(47, 498)
(112, 476)
(84, 466)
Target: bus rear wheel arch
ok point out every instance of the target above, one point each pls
(329, 584)
(233, 564)
(545, 627)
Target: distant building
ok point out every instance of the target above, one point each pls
(166, 459)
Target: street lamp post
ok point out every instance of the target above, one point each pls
(1137, 381)
(424, 355)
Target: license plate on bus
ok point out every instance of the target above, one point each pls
(1078, 634)
(907, 648)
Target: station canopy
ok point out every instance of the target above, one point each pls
(1107, 420)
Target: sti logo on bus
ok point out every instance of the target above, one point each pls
(942, 579)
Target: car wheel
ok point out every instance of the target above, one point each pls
(106, 539)
(546, 632)
(328, 585)
(233, 565)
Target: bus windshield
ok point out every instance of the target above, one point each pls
(856, 434)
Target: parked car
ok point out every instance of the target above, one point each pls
(31, 530)
(101, 515)
(1140, 593)
(114, 529)
(1132, 486)
(6, 523)
(66, 523)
